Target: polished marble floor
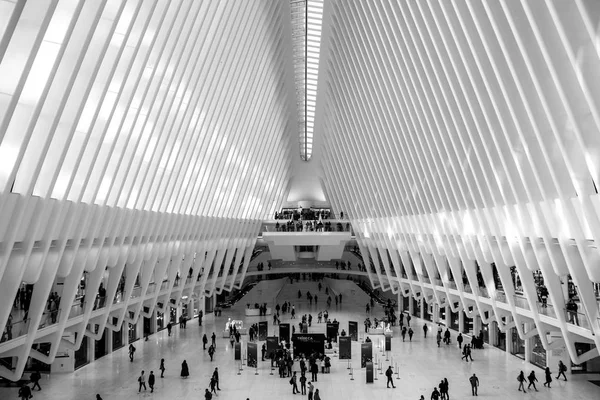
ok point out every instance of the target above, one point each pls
(421, 366)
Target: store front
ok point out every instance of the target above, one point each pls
(160, 321)
(468, 324)
(406, 304)
(500, 341)
(538, 353)
(81, 354)
(148, 329)
(428, 312)
(590, 366)
(454, 320)
(100, 348)
(442, 315)
(117, 336)
(33, 364)
(132, 333)
(517, 347)
(416, 307)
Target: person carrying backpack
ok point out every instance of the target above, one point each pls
(521, 380)
(562, 368)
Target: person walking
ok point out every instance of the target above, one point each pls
(403, 333)
(151, 381)
(169, 327)
(438, 338)
(142, 382)
(25, 392)
(314, 370)
(294, 383)
(303, 383)
(425, 328)
(410, 334)
(435, 395)
(211, 351)
(214, 339)
(35, 378)
(162, 368)
(216, 378)
(532, 380)
(521, 380)
(213, 385)
(389, 373)
(98, 397)
(185, 372)
(207, 395)
(317, 395)
(548, 377)
(200, 315)
(474, 380)
(459, 339)
(444, 386)
(204, 341)
(131, 352)
(562, 368)
(311, 388)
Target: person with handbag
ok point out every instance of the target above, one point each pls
(562, 368)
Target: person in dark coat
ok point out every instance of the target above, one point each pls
(211, 352)
(532, 380)
(25, 392)
(162, 367)
(185, 372)
(204, 341)
(521, 380)
(389, 374)
(548, 377)
(216, 378)
(35, 378)
(214, 339)
(151, 381)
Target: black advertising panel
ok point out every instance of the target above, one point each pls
(331, 331)
(345, 347)
(284, 332)
(252, 355)
(272, 345)
(388, 343)
(366, 353)
(353, 330)
(263, 330)
(308, 343)
(238, 351)
(369, 374)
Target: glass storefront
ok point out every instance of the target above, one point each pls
(538, 353)
(406, 304)
(147, 327)
(100, 346)
(591, 366)
(117, 336)
(416, 307)
(33, 364)
(517, 344)
(442, 315)
(468, 324)
(160, 321)
(454, 320)
(428, 312)
(132, 333)
(81, 354)
(500, 341)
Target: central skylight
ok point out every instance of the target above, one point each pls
(307, 16)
